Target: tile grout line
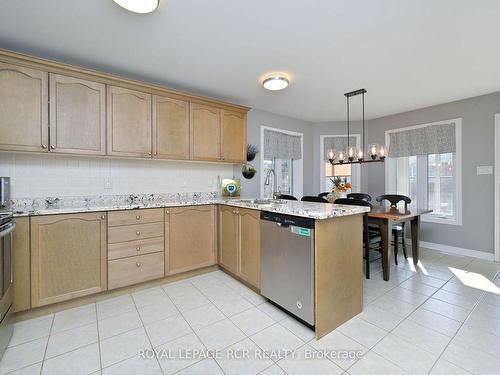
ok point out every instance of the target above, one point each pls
(98, 337)
(47, 344)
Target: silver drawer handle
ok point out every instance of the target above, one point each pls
(138, 264)
(138, 233)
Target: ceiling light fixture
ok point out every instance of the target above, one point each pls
(138, 6)
(276, 81)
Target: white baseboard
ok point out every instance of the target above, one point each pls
(457, 250)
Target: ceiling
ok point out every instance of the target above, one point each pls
(407, 54)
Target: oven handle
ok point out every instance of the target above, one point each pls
(10, 229)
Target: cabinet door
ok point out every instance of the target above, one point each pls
(191, 238)
(249, 258)
(170, 128)
(228, 238)
(23, 109)
(129, 122)
(233, 137)
(68, 257)
(77, 116)
(205, 132)
(22, 272)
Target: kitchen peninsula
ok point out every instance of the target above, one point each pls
(108, 242)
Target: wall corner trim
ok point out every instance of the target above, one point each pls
(458, 250)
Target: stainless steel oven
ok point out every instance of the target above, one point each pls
(6, 280)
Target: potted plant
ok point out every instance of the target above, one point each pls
(339, 189)
(252, 151)
(248, 171)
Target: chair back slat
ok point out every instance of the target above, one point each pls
(394, 199)
(311, 198)
(363, 196)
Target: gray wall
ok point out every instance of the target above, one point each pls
(477, 230)
(258, 118)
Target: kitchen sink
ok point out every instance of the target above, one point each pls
(269, 201)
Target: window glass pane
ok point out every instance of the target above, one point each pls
(406, 178)
(441, 185)
(284, 176)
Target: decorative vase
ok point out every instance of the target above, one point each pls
(248, 171)
(332, 196)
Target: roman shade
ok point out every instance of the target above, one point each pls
(281, 145)
(336, 143)
(432, 139)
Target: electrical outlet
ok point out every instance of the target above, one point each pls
(108, 184)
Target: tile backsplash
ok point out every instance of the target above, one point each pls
(35, 175)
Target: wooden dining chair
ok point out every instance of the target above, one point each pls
(287, 197)
(372, 239)
(312, 198)
(324, 194)
(398, 231)
(362, 196)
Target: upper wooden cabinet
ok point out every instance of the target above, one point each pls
(190, 238)
(233, 137)
(23, 109)
(68, 256)
(205, 132)
(129, 122)
(77, 116)
(170, 128)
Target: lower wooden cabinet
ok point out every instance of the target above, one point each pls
(22, 272)
(190, 238)
(239, 243)
(68, 256)
(134, 270)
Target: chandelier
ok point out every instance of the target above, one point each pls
(351, 155)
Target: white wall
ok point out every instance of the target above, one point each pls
(36, 176)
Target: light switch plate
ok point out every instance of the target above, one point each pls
(108, 183)
(484, 169)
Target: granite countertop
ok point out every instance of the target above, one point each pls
(64, 205)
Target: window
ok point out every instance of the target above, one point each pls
(284, 176)
(282, 152)
(431, 180)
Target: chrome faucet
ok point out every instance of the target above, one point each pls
(276, 193)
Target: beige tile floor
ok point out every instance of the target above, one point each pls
(441, 318)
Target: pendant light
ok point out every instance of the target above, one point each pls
(377, 153)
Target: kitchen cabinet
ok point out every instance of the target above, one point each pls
(128, 122)
(23, 109)
(170, 128)
(68, 256)
(205, 132)
(249, 246)
(136, 246)
(239, 243)
(228, 238)
(233, 137)
(77, 116)
(191, 238)
(21, 253)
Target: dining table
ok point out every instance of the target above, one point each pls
(385, 217)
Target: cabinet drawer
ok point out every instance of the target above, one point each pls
(148, 215)
(133, 270)
(138, 247)
(135, 232)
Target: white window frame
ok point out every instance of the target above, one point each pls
(497, 188)
(297, 165)
(356, 176)
(458, 171)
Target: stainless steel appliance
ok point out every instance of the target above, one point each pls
(287, 263)
(7, 226)
(4, 192)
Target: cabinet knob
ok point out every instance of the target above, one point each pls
(103, 217)
(44, 146)
(138, 264)
(149, 153)
(167, 211)
(52, 147)
(138, 217)
(138, 248)
(138, 233)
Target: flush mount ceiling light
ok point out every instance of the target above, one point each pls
(138, 6)
(276, 81)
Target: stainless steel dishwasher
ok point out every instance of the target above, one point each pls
(287, 263)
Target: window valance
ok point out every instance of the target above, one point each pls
(281, 145)
(432, 139)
